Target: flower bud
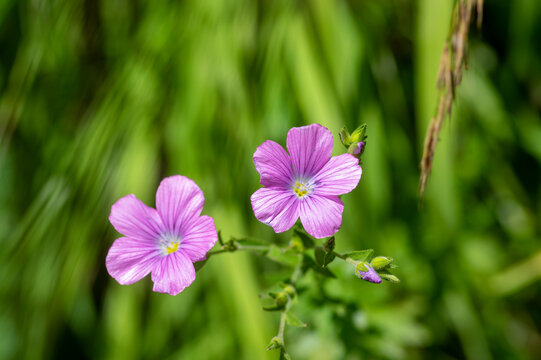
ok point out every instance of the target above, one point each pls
(359, 135)
(366, 272)
(281, 298)
(276, 343)
(359, 148)
(381, 262)
(290, 290)
(390, 277)
(345, 138)
(329, 245)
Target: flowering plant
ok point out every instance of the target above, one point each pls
(304, 183)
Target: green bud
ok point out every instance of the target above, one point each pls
(290, 290)
(281, 298)
(381, 262)
(231, 245)
(276, 343)
(352, 148)
(390, 277)
(329, 245)
(344, 137)
(359, 134)
(361, 267)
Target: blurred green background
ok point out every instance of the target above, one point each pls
(99, 99)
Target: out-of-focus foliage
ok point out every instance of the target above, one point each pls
(99, 99)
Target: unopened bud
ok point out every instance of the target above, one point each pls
(390, 277)
(290, 290)
(359, 148)
(366, 272)
(381, 262)
(329, 245)
(359, 135)
(345, 138)
(276, 343)
(281, 298)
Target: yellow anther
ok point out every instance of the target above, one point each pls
(172, 248)
(300, 189)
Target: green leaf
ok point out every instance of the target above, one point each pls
(220, 239)
(284, 355)
(198, 265)
(274, 307)
(328, 246)
(359, 255)
(307, 241)
(322, 258)
(283, 257)
(293, 320)
(309, 263)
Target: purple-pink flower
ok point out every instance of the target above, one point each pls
(304, 183)
(370, 275)
(165, 241)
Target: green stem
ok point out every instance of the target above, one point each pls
(238, 248)
(345, 258)
(297, 272)
(282, 326)
(253, 247)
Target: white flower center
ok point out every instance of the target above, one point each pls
(169, 243)
(302, 188)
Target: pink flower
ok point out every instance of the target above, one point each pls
(306, 183)
(369, 275)
(166, 241)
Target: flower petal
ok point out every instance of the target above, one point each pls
(178, 200)
(199, 238)
(130, 260)
(173, 273)
(273, 164)
(339, 176)
(276, 207)
(132, 218)
(309, 147)
(321, 216)
(371, 275)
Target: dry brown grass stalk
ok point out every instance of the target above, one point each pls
(453, 61)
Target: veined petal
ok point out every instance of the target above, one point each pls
(132, 218)
(321, 216)
(339, 176)
(310, 148)
(178, 200)
(273, 164)
(199, 238)
(173, 273)
(130, 260)
(276, 207)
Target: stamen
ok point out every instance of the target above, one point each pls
(172, 248)
(301, 189)
(169, 243)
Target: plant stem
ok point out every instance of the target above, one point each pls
(282, 326)
(238, 248)
(345, 258)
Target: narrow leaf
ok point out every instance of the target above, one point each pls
(287, 258)
(293, 320)
(359, 255)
